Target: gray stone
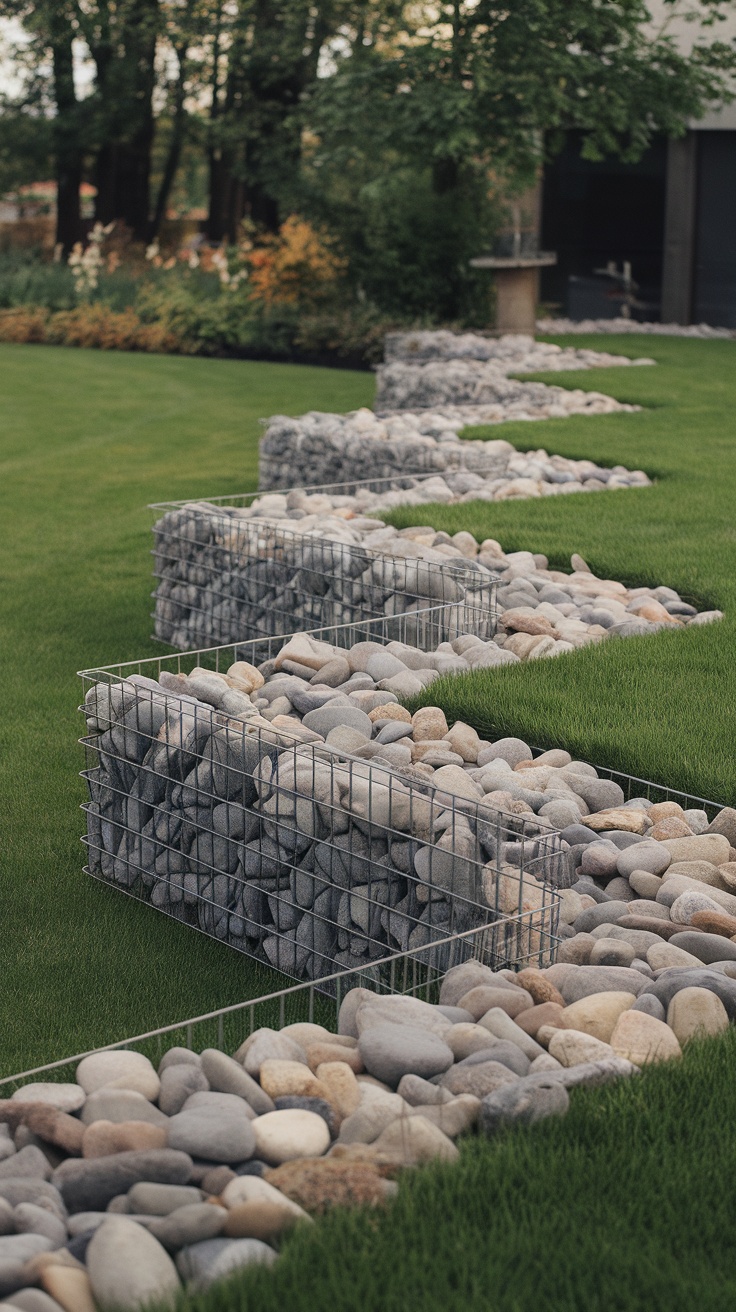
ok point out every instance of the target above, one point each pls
(422, 1093)
(649, 856)
(603, 914)
(598, 794)
(7, 1220)
(88, 1184)
(503, 1051)
(582, 981)
(673, 980)
(200, 1265)
(650, 1005)
(227, 1076)
(178, 1057)
(20, 1248)
(706, 947)
(189, 1225)
(160, 1199)
(118, 1105)
(177, 1084)
(213, 1134)
(480, 1079)
(127, 1267)
(35, 1220)
(390, 1051)
(34, 1300)
(522, 1103)
(30, 1162)
(32, 1191)
(329, 717)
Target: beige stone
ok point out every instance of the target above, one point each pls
(695, 1014)
(704, 871)
(342, 1088)
(464, 1039)
(624, 818)
(480, 1000)
(573, 1047)
(428, 722)
(714, 922)
(103, 1138)
(670, 827)
(260, 1220)
(597, 1014)
(538, 986)
(281, 1079)
(545, 1015)
(391, 711)
(317, 1053)
(70, 1287)
(643, 1039)
(660, 810)
(119, 1070)
(660, 956)
(701, 847)
(464, 740)
(245, 677)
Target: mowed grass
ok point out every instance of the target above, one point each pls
(626, 1205)
(87, 441)
(662, 708)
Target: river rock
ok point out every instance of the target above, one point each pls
(214, 1133)
(89, 1185)
(642, 1039)
(390, 1051)
(597, 1014)
(118, 1070)
(696, 1013)
(281, 1136)
(524, 1102)
(128, 1267)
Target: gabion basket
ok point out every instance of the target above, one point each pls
(222, 578)
(294, 853)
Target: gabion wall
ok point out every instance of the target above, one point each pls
(294, 853)
(222, 578)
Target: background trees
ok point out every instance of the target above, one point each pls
(397, 127)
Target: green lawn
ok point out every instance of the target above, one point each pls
(625, 1206)
(87, 440)
(90, 438)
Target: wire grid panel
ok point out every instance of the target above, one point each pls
(415, 973)
(299, 856)
(222, 578)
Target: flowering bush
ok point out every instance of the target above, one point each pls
(87, 262)
(87, 325)
(297, 265)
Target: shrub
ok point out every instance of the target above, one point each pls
(295, 266)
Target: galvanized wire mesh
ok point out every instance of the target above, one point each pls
(222, 578)
(296, 854)
(415, 973)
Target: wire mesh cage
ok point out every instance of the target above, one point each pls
(298, 854)
(222, 577)
(417, 973)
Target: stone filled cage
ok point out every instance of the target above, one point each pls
(303, 857)
(222, 578)
(286, 446)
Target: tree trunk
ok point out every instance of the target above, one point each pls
(68, 154)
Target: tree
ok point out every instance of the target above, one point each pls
(498, 83)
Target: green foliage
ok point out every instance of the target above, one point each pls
(26, 279)
(408, 248)
(25, 148)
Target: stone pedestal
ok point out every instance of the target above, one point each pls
(517, 288)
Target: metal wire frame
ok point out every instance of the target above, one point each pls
(316, 863)
(650, 790)
(221, 578)
(405, 479)
(415, 973)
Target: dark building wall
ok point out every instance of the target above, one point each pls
(714, 272)
(596, 212)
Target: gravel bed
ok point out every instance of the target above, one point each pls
(127, 1183)
(564, 326)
